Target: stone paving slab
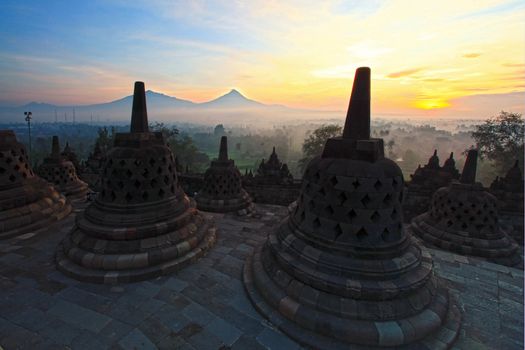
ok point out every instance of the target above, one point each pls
(205, 306)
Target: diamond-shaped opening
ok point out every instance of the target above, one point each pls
(387, 199)
(2, 170)
(378, 185)
(145, 173)
(303, 216)
(394, 214)
(375, 217)
(129, 196)
(153, 182)
(394, 183)
(322, 191)
(164, 160)
(356, 184)
(112, 196)
(352, 214)
(129, 173)
(159, 170)
(317, 175)
(166, 180)
(151, 161)
(333, 180)
(145, 195)
(9, 160)
(161, 193)
(342, 197)
(136, 183)
(316, 223)
(464, 226)
(361, 234)
(329, 210)
(12, 178)
(385, 234)
(365, 200)
(20, 159)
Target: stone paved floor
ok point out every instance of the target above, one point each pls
(204, 306)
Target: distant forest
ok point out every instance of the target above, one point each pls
(195, 145)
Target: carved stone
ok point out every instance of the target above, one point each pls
(222, 190)
(463, 218)
(340, 271)
(62, 174)
(141, 224)
(27, 202)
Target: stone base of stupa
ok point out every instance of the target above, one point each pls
(495, 247)
(100, 254)
(304, 308)
(30, 208)
(242, 205)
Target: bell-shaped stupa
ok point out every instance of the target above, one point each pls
(27, 202)
(341, 271)
(463, 218)
(222, 190)
(62, 174)
(141, 225)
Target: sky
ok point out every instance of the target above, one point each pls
(432, 58)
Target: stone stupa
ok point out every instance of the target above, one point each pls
(425, 181)
(27, 202)
(222, 190)
(509, 192)
(463, 218)
(62, 174)
(341, 272)
(141, 225)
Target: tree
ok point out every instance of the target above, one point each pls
(390, 146)
(314, 143)
(500, 140)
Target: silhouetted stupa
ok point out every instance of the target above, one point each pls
(70, 155)
(27, 202)
(222, 190)
(425, 181)
(509, 192)
(141, 224)
(62, 174)
(463, 218)
(340, 271)
(273, 172)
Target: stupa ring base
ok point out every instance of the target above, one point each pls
(389, 334)
(127, 275)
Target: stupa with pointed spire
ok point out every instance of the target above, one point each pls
(463, 218)
(222, 189)
(272, 183)
(27, 202)
(141, 224)
(62, 174)
(425, 181)
(340, 271)
(509, 192)
(69, 154)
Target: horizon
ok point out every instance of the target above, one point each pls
(467, 61)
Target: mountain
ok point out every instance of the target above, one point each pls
(233, 99)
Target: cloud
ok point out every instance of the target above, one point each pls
(404, 73)
(513, 64)
(471, 55)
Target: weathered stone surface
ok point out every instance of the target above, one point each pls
(463, 218)
(340, 270)
(222, 190)
(141, 224)
(27, 202)
(62, 174)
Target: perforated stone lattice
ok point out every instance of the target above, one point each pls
(473, 212)
(59, 174)
(222, 183)
(14, 167)
(359, 210)
(150, 176)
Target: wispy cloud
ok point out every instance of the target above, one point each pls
(404, 73)
(471, 55)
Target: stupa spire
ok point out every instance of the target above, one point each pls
(357, 124)
(139, 113)
(468, 176)
(55, 148)
(223, 151)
